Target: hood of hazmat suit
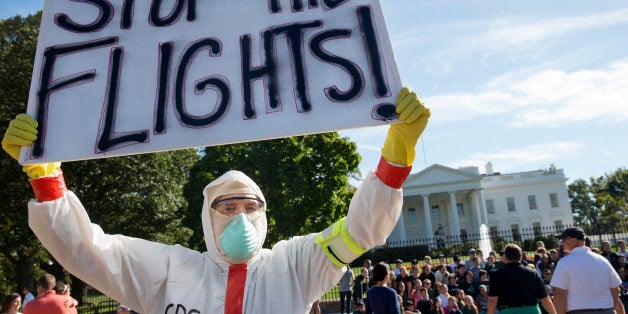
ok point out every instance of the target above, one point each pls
(214, 223)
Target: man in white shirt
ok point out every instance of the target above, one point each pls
(584, 282)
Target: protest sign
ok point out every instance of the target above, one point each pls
(126, 77)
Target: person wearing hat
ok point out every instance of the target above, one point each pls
(584, 282)
(516, 289)
(235, 274)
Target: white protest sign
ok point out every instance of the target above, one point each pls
(126, 77)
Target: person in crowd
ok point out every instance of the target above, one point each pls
(547, 276)
(469, 286)
(452, 306)
(381, 299)
(414, 274)
(606, 252)
(622, 267)
(462, 273)
(28, 296)
(239, 275)
(405, 279)
(427, 284)
(345, 287)
(367, 264)
(469, 263)
(540, 244)
(553, 254)
(621, 245)
(443, 294)
(361, 285)
(480, 255)
(482, 299)
(425, 303)
(428, 274)
(442, 275)
(469, 306)
(47, 300)
(546, 263)
(427, 260)
(63, 289)
(11, 304)
(442, 262)
(459, 294)
(584, 281)
(398, 266)
(437, 307)
(415, 295)
(392, 281)
(516, 289)
(490, 263)
(453, 283)
(475, 269)
(360, 308)
(483, 278)
(453, 266)
(408, 307)
(401, 290)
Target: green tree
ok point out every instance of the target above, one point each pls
(305, 180)
(137, 196)
(19, 249)
(583, 202)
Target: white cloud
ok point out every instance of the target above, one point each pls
(545, 98)
(515, 158)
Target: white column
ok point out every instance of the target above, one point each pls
(400, 228)
(482, 207)
(427, 215)
(453, 210)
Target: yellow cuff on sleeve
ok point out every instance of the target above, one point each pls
(338, 244)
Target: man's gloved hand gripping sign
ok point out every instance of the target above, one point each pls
(124, 77)
(235, 274)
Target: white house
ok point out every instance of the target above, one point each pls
(456, 202)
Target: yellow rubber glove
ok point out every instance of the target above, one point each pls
(22, 131)
(402, 137)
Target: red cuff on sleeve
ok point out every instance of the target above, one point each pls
(391, 175)
(49, 188)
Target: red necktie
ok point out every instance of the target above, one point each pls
(235, 289)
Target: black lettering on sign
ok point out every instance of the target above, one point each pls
(294, 33)
(105, 13)
(268, 71)
(219, 84)
(163, 86)
(372, 50)
(127, 14)
(47, 85)
(106, 138)
(312, 4)
(155, 18)
(180, 309)
(332, 4)
(357, 80)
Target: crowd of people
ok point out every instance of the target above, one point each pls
(459, 286)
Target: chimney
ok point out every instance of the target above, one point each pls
(489, 169)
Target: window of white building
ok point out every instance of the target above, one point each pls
(412, 214)
(511, 204)
(554, 200)
(536, 227)
(460, 209)
(436, 213)
(558, 224)
(514, 228)
(490, 206)
(532, 201)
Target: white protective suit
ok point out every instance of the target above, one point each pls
(156, 278)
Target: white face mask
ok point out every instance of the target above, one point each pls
(236, 237)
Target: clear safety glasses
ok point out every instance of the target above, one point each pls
(231, 206)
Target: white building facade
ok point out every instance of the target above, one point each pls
(442, 202)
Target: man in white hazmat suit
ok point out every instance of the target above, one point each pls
(235, 275)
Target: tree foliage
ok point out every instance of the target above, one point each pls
(602, 200)
(137, 196)
(305, 181)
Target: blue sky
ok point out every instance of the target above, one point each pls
(522, 84)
